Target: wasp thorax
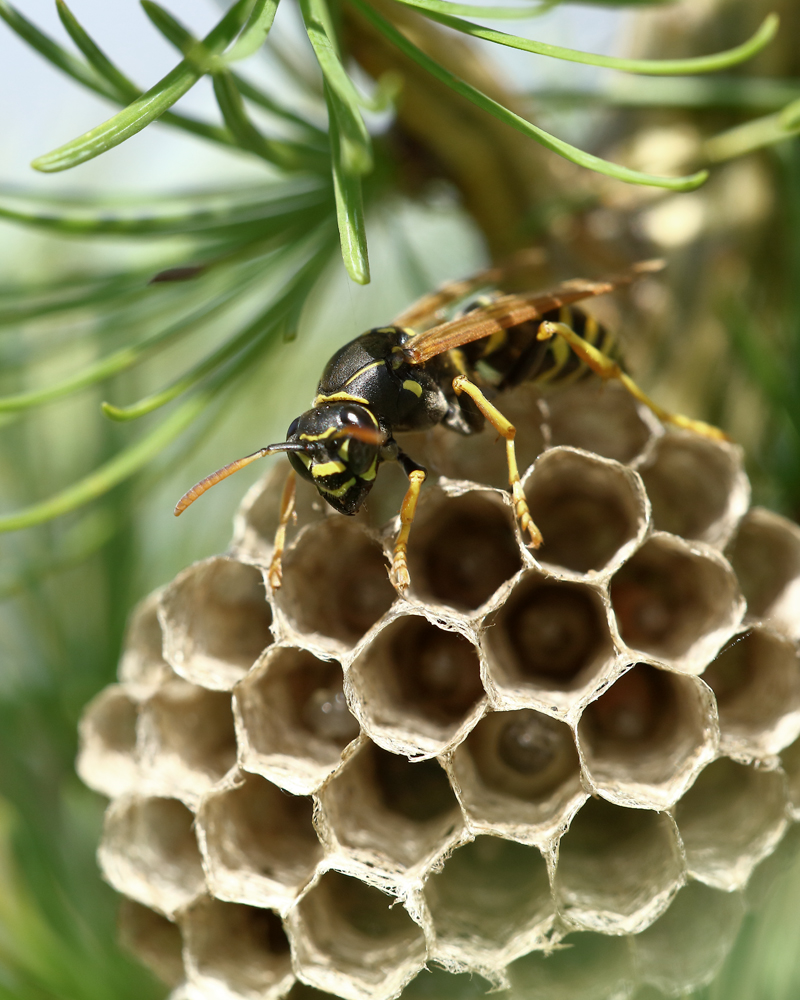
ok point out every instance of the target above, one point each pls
(553, 771)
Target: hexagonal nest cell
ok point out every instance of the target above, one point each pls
(647, 736)
(258, 843)
(462, 550)
(488, 895)
(352, 589)
(697, 487)
(293, 721)
(518, 773)
(186, 739)
(388, 812)
(347, 936)
(550, 640)
(591, 511)
(216, 622)
(420, 684)
(236, 951)
(676, 602)
(618, 868)
(552, 774)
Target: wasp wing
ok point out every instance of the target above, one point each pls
(511, 310)
(425, 312)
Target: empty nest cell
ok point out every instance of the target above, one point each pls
(730, 819)
(591, 512)
(142, 663)
(216, 621)
(257, 518)
(765, 554)
(550, 639)
(149, 852)
(335, 582)
(697, 487)
(236, 951)
(518, 772)
(600, 417)
(153, 939)
(417, 686)
(685, 947)
(587, 967)
(292, 718)
(187, 739)
(107, 759)
(490, 895)
(756, 681)
(647, 736)
(258, 842)
(462, 549)
(388, 811)
(676, 601)
(617, 868)
(353, 940)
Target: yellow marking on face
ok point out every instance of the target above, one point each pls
(366, 368)
(340, 395)
(371, 472)
(340, 492)
(318, 437)
(413, 386)
(591, 329)
(320, 469)
(305, 459)
(344, 449)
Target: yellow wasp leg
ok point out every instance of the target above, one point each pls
(287, 510)
(507, 430)
(606, 368)
(398, 574)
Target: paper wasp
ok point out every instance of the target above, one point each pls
(419, 372)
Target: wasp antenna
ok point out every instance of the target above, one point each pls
(365, 434)
(228, 470)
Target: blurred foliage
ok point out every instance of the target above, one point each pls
(381, 111)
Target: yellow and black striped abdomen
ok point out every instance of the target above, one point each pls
(516, 355)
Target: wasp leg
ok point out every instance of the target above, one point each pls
(398, 573)
(606, 368)
(505, 428)
(287, 510)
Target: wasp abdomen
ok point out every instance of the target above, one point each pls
(515, 355)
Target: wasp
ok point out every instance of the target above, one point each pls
(421, 371)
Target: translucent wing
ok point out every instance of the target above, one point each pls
(511, 310)
(425, 311)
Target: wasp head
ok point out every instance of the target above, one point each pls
(341, 450)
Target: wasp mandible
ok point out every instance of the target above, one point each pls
(404, 377)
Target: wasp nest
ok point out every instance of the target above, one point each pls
(551, 773)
